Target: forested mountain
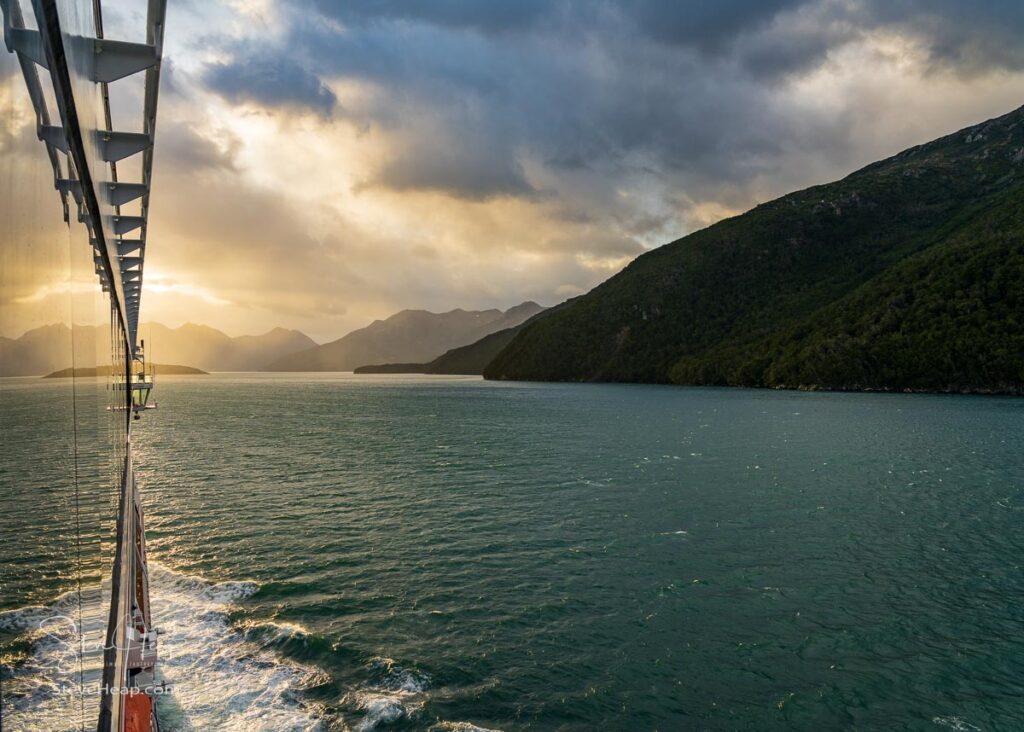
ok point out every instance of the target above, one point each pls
(907, 274)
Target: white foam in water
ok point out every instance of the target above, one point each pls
(397, 678)
(396, 696)
(460, 727)
(381, 709)
(28, 618)
(45, 690)
(218, 680)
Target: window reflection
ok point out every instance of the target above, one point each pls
(63, 443)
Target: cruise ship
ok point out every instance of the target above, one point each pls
(76, 183)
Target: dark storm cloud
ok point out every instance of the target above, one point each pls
(464, 169)
(705, 25)
(269, 79)
(699, 23)
(770, 38)
(969, 37)
(484, 95)
(475, 110)
(483, 15)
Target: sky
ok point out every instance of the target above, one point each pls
(322, 164)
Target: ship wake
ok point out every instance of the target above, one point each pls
(45, 669)
(217, 679)
(219, 675)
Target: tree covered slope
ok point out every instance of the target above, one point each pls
(907, 274)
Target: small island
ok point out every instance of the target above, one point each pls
(159, 369)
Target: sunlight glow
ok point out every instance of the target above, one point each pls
(161, 284)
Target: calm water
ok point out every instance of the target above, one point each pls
(362, 553)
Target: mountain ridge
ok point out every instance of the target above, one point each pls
(47, 348)
(468, 360)
(409, 336)
(904, 275)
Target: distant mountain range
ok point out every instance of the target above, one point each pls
(48, 349)
(211, 350)
(906, 275)
(37, 352)
(411, 336)
(466, 360)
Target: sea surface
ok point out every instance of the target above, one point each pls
(333, 552)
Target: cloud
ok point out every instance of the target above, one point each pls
(703, 25)
(197, 152)
(159, 284)
(473, 117)
(471, 169)
(962, 37)
(61, 287)
(270, 80)
(481, 15)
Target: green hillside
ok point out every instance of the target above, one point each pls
(472, 359)
(907, 274)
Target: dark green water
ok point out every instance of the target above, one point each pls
(344, 552)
